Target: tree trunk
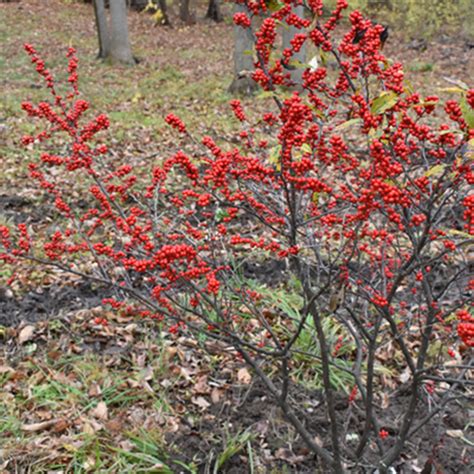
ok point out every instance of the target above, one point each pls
(120, 50)
(185, 12)
(164, 11)
(214, 11)
(243, 62)
(298, 59)
(102, 29)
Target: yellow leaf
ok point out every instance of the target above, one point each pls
(158, 16)
(435, 170)
(455, 90)
(348, 123)
(137, 97)
(274, 157)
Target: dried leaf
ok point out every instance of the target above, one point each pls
(286, 455)
(147, 374)
(216, 395)
(43, 414)
(33, 427)
(201, 387)
(201, 402)
(60, 426)
(94, 390)
(91, 427)
(114, 426)
(405, 376)
(100, 411)
(243, 376)
(26, 334)
(455, 433)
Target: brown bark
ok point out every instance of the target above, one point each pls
(214, 11)
(185, 13)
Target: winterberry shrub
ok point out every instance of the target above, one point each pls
(355, 190)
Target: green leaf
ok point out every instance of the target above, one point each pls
(221, 214)
(467, 112)
(265, 95)
(385, 101)
(305, 148)
(274, 5)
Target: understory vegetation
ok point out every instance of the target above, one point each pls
(196, 282)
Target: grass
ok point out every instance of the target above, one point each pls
(232, 446)
(421, 66)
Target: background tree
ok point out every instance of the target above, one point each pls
(102, 29)
(186, 12)
(214, 11)
(243, 58)
(114, 43)
(120, 50)
(298, 58)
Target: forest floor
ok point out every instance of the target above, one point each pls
(77, 397)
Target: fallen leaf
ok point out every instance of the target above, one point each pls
(60, 426)
(170, 353)
(94, 390)
(405, 375)
(243, 376)
(43, 414)
(216, 395)
(89, 463)
(262, 427)
(33, 427)
(201, 387)
(26, 334)
(91, 427)
(100, 411)
(147, 374)
(455, 433)
(201, 402)
(384, 401)
(288, 456)
(114, 426)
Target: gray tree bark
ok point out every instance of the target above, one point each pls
(296, 72)
(102, 29)
(185, 13)
(243, 61)
(120, 50)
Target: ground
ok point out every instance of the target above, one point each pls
(80, 397)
